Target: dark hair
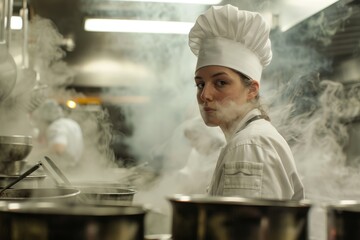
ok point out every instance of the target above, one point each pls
(256, 102)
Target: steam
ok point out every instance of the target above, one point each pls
(312, 113)
(47, 77)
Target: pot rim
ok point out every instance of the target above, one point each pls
(345, 205)
(205, 199)
(71, 209)
(16, 139)
(14, 176)
(72, 192)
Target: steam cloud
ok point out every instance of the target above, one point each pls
(311, 112)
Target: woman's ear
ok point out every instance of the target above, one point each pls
(253, 90)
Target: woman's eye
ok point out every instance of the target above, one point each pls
(220, 83)
(200, 85)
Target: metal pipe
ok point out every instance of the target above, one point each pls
(2, 20)
(24, 15)
(9, 7)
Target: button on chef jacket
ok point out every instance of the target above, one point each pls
(256, 162)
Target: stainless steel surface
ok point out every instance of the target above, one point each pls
(228, 218)
(12, 168)
(40, 194)
(343, 221)
(14, 147)
(34, 180)
(105, 192)
(57, 170)
(122, 195)
(8, 71)
(158, 237)
(49, 221)
(21, 177)
(93, 45)
(81, 197)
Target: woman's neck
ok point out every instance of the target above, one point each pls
(229, 128)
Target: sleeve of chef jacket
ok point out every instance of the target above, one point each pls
(256, 169)
(57, 134)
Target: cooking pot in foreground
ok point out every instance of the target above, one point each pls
(105, 192)
(53, 221)
(15, 147)
(229, 218)
(34, 180)
(343, 220)
(108, 194)
(40, 194)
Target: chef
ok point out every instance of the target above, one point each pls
(232, 48)
(58, 136)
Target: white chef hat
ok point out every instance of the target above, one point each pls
(48, 111)
(229, 37)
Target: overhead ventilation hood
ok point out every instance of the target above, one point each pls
(334, 33)
(325, 46)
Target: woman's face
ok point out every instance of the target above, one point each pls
(221, 95)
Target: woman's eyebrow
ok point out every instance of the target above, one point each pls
(214, 75)
(218, 74)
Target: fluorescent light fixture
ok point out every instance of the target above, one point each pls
(137, 26)
(179, 1)
(293, 12)
(16, 23)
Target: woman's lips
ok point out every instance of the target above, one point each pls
(209, 109)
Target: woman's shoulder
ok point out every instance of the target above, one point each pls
(261, 133)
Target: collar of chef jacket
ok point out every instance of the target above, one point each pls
(240, 124)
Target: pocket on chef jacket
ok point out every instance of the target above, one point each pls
(243, 179)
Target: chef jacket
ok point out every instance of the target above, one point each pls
(256, 162)
(67, 132)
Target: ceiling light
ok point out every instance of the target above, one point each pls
(294, 11)
(16, 23)
(179, 1)
(71, 104)
(139, 26)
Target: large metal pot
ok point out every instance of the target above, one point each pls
(50, 221)
(343, 220)
(105, 192)
(12, 167)
(230, 218)
(40, 194)
(121, 195)
(14, 147)
(13, 150)
(31, 181)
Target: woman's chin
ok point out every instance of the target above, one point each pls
(211, 122)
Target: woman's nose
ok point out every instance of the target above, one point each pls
(206, 93)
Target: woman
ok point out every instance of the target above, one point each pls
(233, 47)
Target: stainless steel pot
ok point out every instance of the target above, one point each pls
(31, 181)
(158, 237)
(122, 195)
(40, 194)
(105, 192)
(14, 147)
(12, 167)
(230, 218)
(50, 221)
(343, 220)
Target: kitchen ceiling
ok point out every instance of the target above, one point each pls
(82, 46)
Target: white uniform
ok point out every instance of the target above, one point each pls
(67, 132)
(256, 163)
